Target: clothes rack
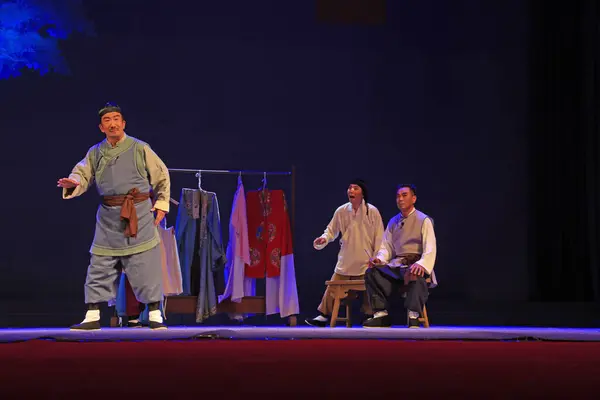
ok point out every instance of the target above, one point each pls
(249, 304)
(231, 172)
(291, 173)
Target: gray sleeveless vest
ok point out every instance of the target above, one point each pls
(117, 170)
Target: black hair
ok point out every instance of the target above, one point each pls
(363, 185)
(412, 187)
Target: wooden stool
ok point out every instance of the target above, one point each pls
(424, 319)
(340, 290)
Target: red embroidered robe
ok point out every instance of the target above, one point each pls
(269, 232)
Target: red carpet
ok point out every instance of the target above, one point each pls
(297, 368)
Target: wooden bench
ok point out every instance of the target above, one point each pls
(346, 290)
(187, 305)
(248, 305)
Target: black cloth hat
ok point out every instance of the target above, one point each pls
(109, 107)
(363, 185)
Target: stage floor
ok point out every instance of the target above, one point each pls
(271, 333)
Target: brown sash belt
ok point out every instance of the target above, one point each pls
(409, 259)
(128, 213)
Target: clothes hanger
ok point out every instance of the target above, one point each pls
(264, 181)
(199, 176)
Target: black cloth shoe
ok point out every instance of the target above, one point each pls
(414, 323)
(316, 323)
(86, 326)
(134, 324)
(157, 325)
(381, 322)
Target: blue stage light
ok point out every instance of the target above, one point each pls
(30, 32)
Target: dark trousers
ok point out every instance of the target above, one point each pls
(384, 282)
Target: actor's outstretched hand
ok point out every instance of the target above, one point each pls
(319, 241)
(67, 183)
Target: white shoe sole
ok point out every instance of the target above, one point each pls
(84, 330)
(376, 327)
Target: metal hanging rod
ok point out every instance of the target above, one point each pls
(229, 172)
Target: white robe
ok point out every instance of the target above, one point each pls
(238, 251)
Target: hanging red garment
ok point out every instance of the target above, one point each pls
(269, 233)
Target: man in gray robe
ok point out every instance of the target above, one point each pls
(125, 170)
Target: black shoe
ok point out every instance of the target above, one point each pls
(316, 323)
(236, 322)
(157, 325)
(134, 324)
(87, 326)
(381, 322)
(414, 323)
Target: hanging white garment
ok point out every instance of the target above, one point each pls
(171, 269)
(238, 251)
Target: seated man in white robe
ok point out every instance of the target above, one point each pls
(361, 227)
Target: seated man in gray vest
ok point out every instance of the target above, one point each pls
(406, 257)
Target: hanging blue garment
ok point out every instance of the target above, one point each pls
(200, 247)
